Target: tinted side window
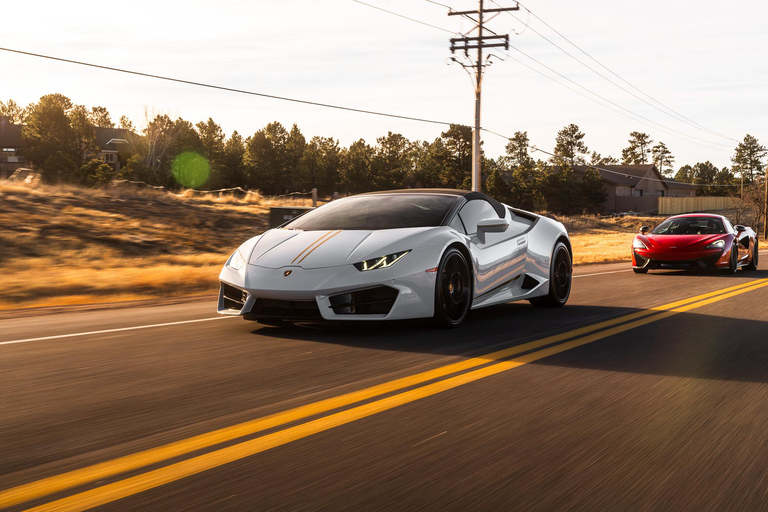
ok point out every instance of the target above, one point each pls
(475, 211)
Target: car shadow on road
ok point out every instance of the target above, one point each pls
(484, 330)
(751, 274)
(689, 344)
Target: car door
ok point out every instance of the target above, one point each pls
(497, 258)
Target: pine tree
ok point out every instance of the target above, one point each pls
(639, 149)
(569, 146)
(663, 158)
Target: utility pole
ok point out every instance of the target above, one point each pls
(465, 44)
(765, 206)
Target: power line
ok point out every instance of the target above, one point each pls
(438, 3)
(637, 117)
(535, 148)
(657, 125)
(406, 17)
(671, 112)
(229, 89)
(605, 77)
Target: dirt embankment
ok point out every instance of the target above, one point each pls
(68, 245)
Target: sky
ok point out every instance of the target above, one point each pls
(705, 60)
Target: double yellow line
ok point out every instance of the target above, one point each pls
(489, 364)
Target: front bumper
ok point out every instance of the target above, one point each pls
(710, 259)
(335, 293)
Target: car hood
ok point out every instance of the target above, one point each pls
(318, 249)
(680, 242)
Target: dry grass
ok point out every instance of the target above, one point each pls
(603, 240)
(67, 245)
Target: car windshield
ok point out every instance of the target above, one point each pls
(377, 211)
(690, 226)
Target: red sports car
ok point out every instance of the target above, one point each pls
(695, 241)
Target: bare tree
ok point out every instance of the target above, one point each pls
(753, 196)
(740, 208)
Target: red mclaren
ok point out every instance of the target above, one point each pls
(695, 241)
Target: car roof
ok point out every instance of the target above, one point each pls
(713, 215)
(466, 194)
(443, 191)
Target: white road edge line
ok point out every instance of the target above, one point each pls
(121, 329)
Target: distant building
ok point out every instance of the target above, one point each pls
(114, 144)
(680, 189)
(634, 188)
(11, 145)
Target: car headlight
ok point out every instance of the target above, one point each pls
(236, 261)
(638, 244)
(717, 244)
(381, 261)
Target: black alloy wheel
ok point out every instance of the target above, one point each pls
(453, 289)
(755, 257)
(733, 264)
(561, 275)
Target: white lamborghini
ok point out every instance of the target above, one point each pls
(394, 255)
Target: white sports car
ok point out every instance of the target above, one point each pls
(427, 253)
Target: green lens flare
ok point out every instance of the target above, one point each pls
(191, 170)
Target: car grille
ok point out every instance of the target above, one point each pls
(234, 298)
(286, 309)
(373, 301)
(701, 263)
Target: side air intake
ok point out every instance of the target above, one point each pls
(529, 283)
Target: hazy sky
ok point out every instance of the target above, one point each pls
(705, 59)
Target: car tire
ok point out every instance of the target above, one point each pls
(560, 279)
(453, 289)
(733, 263)
(640, 270)
(755, 258)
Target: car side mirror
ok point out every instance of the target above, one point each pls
(496, 225)
(644, 230)
(739, 228)
(492, 225)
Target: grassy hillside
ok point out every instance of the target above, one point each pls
(68, 245)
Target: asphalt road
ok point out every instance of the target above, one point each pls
(646, 392)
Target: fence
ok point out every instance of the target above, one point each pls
(646, 204)
(675, 205)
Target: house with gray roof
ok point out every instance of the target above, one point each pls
(11, 157)
(636, 188)
(114, 144)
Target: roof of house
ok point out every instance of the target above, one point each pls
(109, 138)
(679, 184)
(10, 134)
(627, 175)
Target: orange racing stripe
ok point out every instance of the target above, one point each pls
(318, 245)
(310, 245)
